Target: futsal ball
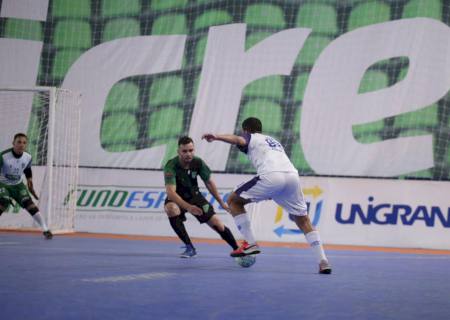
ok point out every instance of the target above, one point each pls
(246, 261)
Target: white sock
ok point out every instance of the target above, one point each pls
(243, 223)
(40, 221)
(313, 239)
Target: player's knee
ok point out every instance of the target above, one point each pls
(27, 202)
(172, 210)
(29, 205)
(33, 210)
(219, 229)
(216, 224)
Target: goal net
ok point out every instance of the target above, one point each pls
(51, 119)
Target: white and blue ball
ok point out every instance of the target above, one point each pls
(246, 261)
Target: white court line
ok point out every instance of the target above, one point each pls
(131, 277)
(8, 243)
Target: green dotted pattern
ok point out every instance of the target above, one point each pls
(146, 111)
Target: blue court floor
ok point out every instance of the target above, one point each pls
(92, 278)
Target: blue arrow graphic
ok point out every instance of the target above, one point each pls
(281, 230)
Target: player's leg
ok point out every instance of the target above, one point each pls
(242, 221)
(216, 224)
(176, 220)
(33, 210)
(293, 201)
(257, 189)
(212, 220)
(313, 238)
(22, 196)
(4, 199)
(3, 206)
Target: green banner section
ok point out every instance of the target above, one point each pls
(151, 110)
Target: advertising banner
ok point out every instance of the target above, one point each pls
(370, 212)
(132, 202)
(389, 213)
(414, 214)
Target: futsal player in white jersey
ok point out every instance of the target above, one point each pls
(276, 179)
(15, 162)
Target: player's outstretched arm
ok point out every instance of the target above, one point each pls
(228, 138)
(211, 186)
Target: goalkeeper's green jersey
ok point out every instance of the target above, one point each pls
(186, 179)
(12, 166)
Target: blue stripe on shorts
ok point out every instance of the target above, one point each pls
(247, 185)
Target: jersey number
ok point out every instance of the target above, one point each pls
(273, 143)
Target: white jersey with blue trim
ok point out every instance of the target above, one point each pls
(12, 168)
(266, 154)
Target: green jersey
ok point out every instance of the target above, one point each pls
(13, 166)
(186, 179)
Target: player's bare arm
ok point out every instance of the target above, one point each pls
(31, 188)
(173, 196)
(228, 138)
(212, 188)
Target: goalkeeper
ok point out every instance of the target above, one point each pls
(183, 195)
(13, 163)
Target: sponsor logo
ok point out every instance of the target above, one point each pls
(392, 214)
(131, 199)
(285, 223)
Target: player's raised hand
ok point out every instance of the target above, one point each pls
(209, 137)
(196, 211)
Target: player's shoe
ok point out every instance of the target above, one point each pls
(189, 252)
(324, 267)
(47, 234)
(245, 249)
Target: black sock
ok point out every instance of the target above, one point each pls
(228, 237)
(178, 226)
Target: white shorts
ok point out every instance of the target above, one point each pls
(282, 187)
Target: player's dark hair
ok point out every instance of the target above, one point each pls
(185, 140)
(252, 125)
(20, 135)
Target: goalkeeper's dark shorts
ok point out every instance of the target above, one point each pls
(202, 203)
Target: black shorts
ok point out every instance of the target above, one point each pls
(202, 203)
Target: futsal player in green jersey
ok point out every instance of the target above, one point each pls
(15, 162)
(183, 195)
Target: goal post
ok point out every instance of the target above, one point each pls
(51, 118)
